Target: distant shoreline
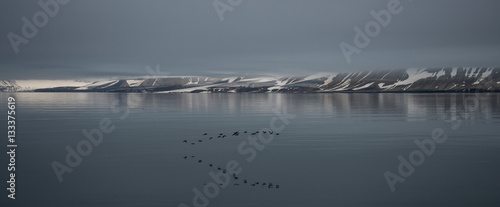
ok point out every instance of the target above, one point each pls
(436, 80)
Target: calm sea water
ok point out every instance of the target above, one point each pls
(333, 149)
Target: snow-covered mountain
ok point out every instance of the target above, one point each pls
(406, 80)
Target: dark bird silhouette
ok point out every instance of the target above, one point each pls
(245, 132)
(210, 165)
(277, 186)
(200, 161)
(192, 143)
(205, 134)
(200, 141)
(264, 132)
(277, 133)
(270, 185)
(223, 136)
(253, 133)
(236, 133)
(219, 168)
(185, 157)
(271, 132)
(245, 181)
(192, 156)
(210, 138)
(185, 141)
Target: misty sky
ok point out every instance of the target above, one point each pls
(118, 38)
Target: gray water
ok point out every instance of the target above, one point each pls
(333, 149)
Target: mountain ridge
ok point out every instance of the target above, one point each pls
(457, 79)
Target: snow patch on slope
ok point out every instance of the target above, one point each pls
(187, 90)
(484, 76)
(317, 76)
(343, 86)
(279, 84)
(259, 80)
(440, 73)
(363, 87)
(329, 79)
(413, 76)
(454, 72)
(134, 83)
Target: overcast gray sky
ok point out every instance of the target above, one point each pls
(107, 38)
